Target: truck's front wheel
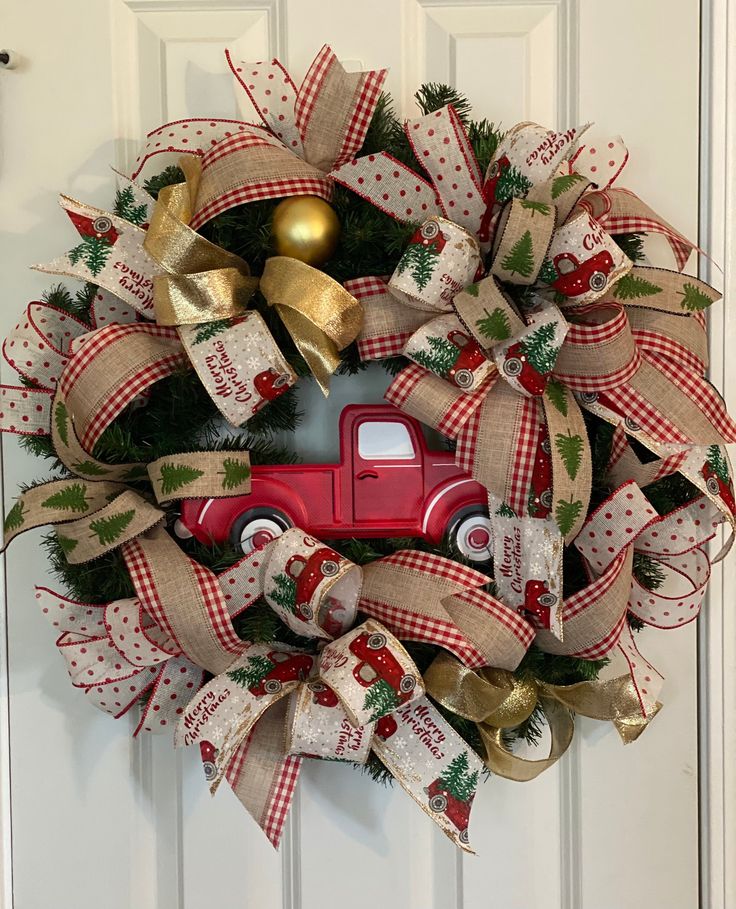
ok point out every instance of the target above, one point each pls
(257, 527)
(469, 532)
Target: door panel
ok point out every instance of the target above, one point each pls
(98, 819)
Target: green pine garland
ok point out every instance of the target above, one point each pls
(180, 415)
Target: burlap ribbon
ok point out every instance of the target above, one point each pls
(621, 341)
(306, 133)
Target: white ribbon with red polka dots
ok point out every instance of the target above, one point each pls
(38, 349)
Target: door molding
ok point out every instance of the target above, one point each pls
(717, 626)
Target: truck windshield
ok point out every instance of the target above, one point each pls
(384, 440)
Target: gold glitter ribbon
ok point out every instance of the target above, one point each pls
(202, 282)
(319, 314)
(495, 700)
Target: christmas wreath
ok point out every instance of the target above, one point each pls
(542, 483)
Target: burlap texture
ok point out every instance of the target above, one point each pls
(384, 317)
(35, 507)
(116, 364)
(497, 631)
(216, 478)
(589, 626)
(522, 222)
(323, 136)
(183, 601)
(125, 517)
(489, 297)
(260, 759)
(569, 485)
(585, 360)
(676, 405)
(665, 290)
(501, 417)
(683, 330)
(72, 454)
(262, 169)
(432, 399)
(550, 193)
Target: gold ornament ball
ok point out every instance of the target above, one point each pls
(305, 228)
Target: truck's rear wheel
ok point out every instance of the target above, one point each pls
(469, 532)
(257, 527)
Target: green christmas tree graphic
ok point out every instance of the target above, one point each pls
(570, 449)
(208, 330)
(540, 349)
(495, 325)
(632, 287)
(111, 528)
(566, 514)
(520, 259)
(535, 207)
(61, 417)
(93, 251)
(284, 593)
(73, 498)
(512, 184)
(548, 272)
(174, 476)
(68, 545)
(380, 699)
(125, 207)
(90, 469)
(255, 670)
(234, 473)
(472, 289)
(458, 780)
(561, 185)
(718, 463)
(505, 511)
(441, 356)
(15, 517)
(421, 261)
(693, 298)
(557, 394)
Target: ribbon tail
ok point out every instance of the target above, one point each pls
(263, 777)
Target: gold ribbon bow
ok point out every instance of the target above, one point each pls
(495, 700)
(204, 283)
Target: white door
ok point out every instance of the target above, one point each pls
(95, 819)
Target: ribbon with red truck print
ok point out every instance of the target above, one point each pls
(270, 704)
(591, 330)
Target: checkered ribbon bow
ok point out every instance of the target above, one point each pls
(360, 690)
(562, 316)
(306, 133)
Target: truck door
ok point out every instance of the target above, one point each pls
(387, 475)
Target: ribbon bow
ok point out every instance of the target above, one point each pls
(583, 327)
(361, 690)
(306, 133)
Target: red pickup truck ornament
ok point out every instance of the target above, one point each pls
(388, 483)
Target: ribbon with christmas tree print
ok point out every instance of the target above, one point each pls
(361, 692)
(110, 254)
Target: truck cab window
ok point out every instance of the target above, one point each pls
(384, 440)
